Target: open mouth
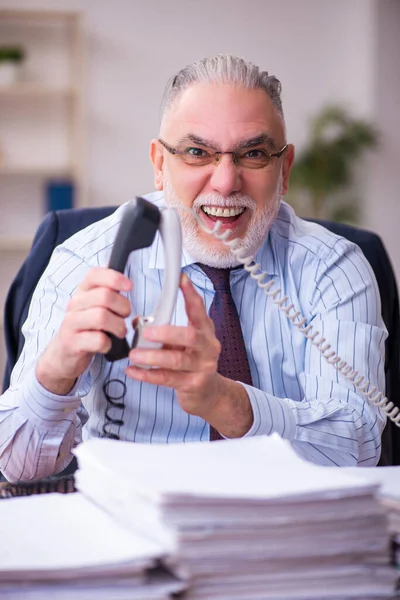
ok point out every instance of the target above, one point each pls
(225, 215)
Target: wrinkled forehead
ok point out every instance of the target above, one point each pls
(223, 114)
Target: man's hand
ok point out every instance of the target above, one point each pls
(96, 307)
(188, 363)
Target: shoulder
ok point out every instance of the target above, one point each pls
(313, 241)
(93, 244)
(95, 239)
(318, 260)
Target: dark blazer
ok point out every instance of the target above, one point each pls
(60, 225)
(54, 230)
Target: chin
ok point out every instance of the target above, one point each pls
(220, 260)
(218, 255)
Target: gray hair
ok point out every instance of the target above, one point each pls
(222, 69)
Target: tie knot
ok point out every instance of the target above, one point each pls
(220, 278)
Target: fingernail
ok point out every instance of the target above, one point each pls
(184, 279)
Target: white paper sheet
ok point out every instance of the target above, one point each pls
(65, 535)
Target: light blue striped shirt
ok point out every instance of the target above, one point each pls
(296, 392)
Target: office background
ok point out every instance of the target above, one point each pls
(323, 51)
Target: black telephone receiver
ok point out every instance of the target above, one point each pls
(137, 230)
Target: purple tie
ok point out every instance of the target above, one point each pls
(233, 362)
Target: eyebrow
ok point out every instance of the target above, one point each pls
(262, 138)
(195, 139)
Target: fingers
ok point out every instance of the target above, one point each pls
(174, 336)
(183, 349)
(98, 304)
(194, 305)
(195, 336)
(188, 348)
(91, 342)
(97, 308)
(173, 360)
(97, 318)
(104, 277)
(166, 359)
(101, 296)
(179, 380)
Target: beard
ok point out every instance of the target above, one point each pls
(221, 256)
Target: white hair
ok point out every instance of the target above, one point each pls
(223, 69)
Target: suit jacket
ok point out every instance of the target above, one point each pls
(60, 225)
(54, 230)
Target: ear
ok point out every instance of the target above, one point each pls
(157, 159)
(288, 159)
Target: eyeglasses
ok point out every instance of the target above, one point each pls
(250, 158)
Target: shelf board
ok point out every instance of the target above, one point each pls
(15, 243)
(33, 90)
(41, 172)
(39, 14)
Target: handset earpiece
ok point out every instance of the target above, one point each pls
(171, 235)
(137, 230)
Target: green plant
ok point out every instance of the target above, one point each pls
(11, 54)
(323, 172)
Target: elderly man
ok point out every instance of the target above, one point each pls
(222, 151)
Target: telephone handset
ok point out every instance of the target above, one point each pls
(137, 230)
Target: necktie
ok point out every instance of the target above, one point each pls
(233, 362)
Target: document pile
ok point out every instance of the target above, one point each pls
(63, 546)
(245, 519)
(389, 495)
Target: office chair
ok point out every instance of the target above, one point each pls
(60, 225)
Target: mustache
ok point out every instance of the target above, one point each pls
(232, 201)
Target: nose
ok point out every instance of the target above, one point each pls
(225, 178)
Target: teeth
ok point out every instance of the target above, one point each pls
(222, 212)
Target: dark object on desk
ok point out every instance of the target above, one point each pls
(63, 485)
(60, 225)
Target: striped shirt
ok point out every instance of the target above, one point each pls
(295, 392)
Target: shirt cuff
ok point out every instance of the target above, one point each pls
(44, 409)
(271, 414)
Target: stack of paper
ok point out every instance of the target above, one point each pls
(245, 518)
(389, 495)
(63, 546)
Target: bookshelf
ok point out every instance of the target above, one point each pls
(42, 129)
(34, 91)
(36, 171)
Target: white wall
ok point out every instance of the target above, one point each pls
(321, 50)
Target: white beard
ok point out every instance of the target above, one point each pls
(222, 257)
